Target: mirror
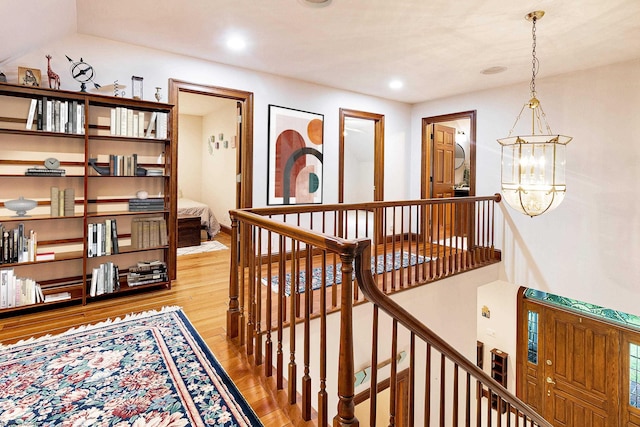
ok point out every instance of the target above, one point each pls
(459, 158)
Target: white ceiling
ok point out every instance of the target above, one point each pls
(437, 47)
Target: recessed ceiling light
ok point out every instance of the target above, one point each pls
(494, 70)
(236, 43)
(395, 84)
(315, 3)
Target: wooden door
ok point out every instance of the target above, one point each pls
(581, 371)
(443, 185)
(630, 367)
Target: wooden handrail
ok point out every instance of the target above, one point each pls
(295, 246)
(383, 302)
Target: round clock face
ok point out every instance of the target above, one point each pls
(52, 163)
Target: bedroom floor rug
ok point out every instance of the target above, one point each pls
(148, 369)
(392, 262)
(208, 246)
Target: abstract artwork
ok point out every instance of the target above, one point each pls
(295, 156)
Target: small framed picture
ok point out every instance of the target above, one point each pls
(29, 76)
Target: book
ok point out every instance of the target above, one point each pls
(60, 296)
(39, 115)
(54, 201)
(112, 121)
(114, 237)
(140, 124)
(80, 119)
(32, 113)
(45, 256)
(69, 202)
(151, 125)
(60, 202)
(129, 131)
(123, 121)
(107, 237)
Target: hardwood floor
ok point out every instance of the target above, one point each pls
(201, 289)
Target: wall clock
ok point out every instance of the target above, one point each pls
(82, 72)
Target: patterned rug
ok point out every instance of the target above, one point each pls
(383, 264)
(148, 369)
(208, 246)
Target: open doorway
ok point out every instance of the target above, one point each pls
(217, 125)
(448, 166)
(361, 165)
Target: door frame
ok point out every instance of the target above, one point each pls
(244, 158)
(378, 159)
(378, 154)
(244, 155)
(426, 163)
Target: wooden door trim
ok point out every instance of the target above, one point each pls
(246, 145)
(378, 160)
(378, 156)
(427, 149)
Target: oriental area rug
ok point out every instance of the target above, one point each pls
(380, 264)
(147, 369)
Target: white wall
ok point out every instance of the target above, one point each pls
(219, 166)
(189, 157)
(588, 247)
(499, 330)
(119, 61)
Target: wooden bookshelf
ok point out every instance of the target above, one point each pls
(74, 127)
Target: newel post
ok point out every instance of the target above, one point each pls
(233, 313)
(346, 372)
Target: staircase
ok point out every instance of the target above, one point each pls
(302, 276)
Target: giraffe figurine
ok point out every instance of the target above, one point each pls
(53, 77)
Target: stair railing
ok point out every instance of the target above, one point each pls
(290, 269)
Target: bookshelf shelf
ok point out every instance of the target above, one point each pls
(74, 127)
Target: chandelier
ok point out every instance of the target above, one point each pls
(533, 175)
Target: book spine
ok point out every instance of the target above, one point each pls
(31, 115)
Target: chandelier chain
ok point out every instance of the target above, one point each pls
(535, 65)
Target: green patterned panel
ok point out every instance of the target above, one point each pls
(585, 307)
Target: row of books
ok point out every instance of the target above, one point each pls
(123, 165)
(102, 238)
(148, 232)
(18, 245)
(146, 205)
(53, 115)
(45, 172)
(105, 279)
(63, 201)
(127, 122)
(18, 291)
(147, 272)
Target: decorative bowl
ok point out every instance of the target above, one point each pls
(142, 194)
(21, 205)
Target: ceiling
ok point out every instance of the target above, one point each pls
(438, 48)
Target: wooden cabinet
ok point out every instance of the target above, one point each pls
(189, 231)
(89, 214)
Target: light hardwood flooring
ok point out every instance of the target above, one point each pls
(201, 289)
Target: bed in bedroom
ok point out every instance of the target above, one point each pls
(189, 209)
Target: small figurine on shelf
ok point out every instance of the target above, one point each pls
(158, 94)
(53, 76)
(3, 78)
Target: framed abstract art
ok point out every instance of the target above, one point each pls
(295, 156)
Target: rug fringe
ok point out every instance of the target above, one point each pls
(90, 326)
